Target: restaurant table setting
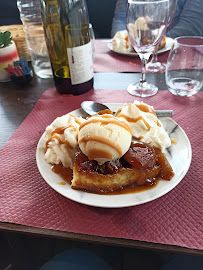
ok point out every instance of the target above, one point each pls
(107, 60)
(35, 199)
(173, 219)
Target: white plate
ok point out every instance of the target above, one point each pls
(169, 42)
(178, 154)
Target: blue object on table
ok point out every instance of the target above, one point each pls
(23, 63)
(26, 76)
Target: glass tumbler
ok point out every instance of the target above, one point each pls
(184, 69)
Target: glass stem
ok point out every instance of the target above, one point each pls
(154, 57)
(143, 69)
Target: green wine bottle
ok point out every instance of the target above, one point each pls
(66, 27)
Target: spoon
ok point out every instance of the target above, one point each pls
(92, 108)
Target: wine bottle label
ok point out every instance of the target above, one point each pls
(80, 63)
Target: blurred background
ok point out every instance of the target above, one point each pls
(100, 15)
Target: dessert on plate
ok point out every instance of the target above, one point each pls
(106, 153)
(121, 42)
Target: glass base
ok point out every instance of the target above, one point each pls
(142, 89)
(155, 67)
(183, 93)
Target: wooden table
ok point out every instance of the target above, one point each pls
(16, 103)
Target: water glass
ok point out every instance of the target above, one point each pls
(30, 14)
(184, 69)
(38, 50)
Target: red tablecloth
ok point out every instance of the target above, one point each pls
(109, 61)
(25, 198)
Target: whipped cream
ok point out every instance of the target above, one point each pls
(144, 124)
(104, 138)
(62, 140)
(121, 43)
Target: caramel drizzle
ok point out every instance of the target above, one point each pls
(141, 107)
(108, 120)
(104, 141)
(145, 108)
(119, 110)
(138, 138)
(158, 124)
(62, 183)
(76, 119)
(134, 120)
(99, 153)
(60, 130)
(107, 111)
(126, 39)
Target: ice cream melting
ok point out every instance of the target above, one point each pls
(104, 138)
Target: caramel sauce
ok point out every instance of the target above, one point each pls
(65, 173)
(138, 138)
(119, 110)
(53, 137)
(134, 120)
(60, 130)
(145, 108)
(109, 120)
(158, 124)
(163, 170)
(107, 111)
(62, 183)
(104, 141)
(134, 189)
(68, 144)
(99, 153)
(126, 45)
(76, 120)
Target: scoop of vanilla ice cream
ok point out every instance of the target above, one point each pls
(121, 43)
(144, 124)
(104, 138)
(62, 140)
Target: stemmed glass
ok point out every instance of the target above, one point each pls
(146, 25)
(154, 65)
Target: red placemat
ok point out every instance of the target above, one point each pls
(25, 198)
(109, 61)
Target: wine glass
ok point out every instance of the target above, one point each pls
(154, 65)
(146, 25)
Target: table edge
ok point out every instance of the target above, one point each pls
(128, 243)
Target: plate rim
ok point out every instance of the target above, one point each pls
(133, 54)
(115, 205)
